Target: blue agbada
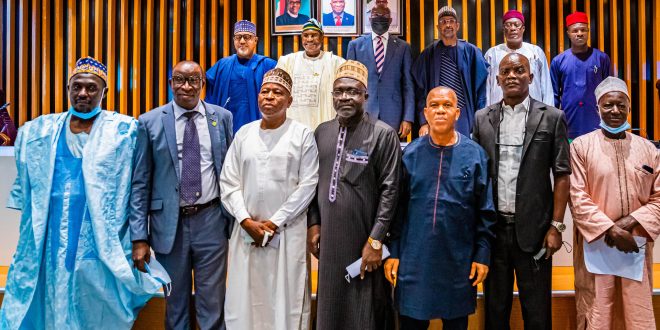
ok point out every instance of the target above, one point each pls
(72, 267)
(574, 80)
(474, 74)
(444, 224)
(234, 86)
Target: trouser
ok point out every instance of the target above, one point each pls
(200, 246)
(408, 323)
(533, 279)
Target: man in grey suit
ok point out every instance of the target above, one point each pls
(526, 141)
(391, 90)
(175, 204)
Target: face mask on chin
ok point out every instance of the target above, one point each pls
(380, 25)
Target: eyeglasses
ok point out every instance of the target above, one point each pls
(513, 25)
(247, 37)
(447, 21)
(181, 80)
(351, 92)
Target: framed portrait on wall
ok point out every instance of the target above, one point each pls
(395, 12)
(339, 17)
(288, 16)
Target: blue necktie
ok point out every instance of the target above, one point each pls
(191, 173)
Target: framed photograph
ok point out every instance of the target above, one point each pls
(395, 12)
(288, 16)
(339, 17)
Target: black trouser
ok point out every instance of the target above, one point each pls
(533, 279)
(408, 323)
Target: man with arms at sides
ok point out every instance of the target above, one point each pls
(452, 63)
(445, 203)
(267, 183)
(388, 59)
(175, 204)
(526, 142)
(234, 81)
(292, 16)
(575, 74)
(338, 17)
(615, 202)
(540, 89)
(359, 159)
(70, 269)
(312, 71)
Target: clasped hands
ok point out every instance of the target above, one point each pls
(620, 235)
(257, 230)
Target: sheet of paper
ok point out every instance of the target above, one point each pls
(247, 239)
(602, 259)
(353, 270)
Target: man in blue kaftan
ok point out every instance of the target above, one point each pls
(441, 242)
(234, 82)
(71, 270)
(575, 75)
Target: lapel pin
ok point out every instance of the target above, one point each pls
(214, 123)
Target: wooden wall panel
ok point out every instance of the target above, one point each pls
(140, 41)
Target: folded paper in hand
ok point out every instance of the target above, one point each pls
(602, 259)
(353, 270)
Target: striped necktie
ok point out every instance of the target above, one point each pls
(379, 53)
(450, 77)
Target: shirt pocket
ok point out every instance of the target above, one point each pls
(644, 178)
(354, 167)
(278, 167)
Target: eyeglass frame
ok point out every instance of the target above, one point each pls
(193, 81)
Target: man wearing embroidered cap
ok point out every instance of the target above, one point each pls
(575, 74)
(453, 63)
(540, 89)
(267, 182)
(234, 81)
(312, 71)
(615, 202)
(74, 168)
(359, 159)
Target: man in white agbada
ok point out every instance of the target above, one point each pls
(540, 89)
(313, 73)
(268, 179)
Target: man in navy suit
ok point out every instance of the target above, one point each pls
(453, 63)
(338, 17)
(175, 203)
(388, 59)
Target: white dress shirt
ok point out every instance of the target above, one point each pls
(511, 139)
(374, 39)
(209, 182)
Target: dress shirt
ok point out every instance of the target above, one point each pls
(334, 17)
(374, 40)
(209, 181)
(511, 139)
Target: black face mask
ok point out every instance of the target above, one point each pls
(380, 25)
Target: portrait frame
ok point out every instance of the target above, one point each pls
(282, 23)
(396, 9)
(350, 13)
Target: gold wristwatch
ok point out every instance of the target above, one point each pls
(375, 244)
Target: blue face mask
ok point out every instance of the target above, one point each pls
(615, 130)
(158, 272)
(85, 115)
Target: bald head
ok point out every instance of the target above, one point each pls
(381, 11)
(441, 112)
(187, 82)
(442, 90)
(514, 77)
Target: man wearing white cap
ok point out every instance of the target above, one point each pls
(615, 202)
(268, 179)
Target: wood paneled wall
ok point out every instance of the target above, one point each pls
(140, 39)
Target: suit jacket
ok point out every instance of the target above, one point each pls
(392, 93)
(347, 19)
(545, 149)
(154, 207)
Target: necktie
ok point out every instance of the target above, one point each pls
(379, 54)
(450, 77)
(191, 173)
(338, 21)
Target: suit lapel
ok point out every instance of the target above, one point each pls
(170, 135)
(214, 132)
(533, 120)
(391, 49)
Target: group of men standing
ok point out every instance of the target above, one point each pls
(302, 156)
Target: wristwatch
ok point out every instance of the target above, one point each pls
(559, 225)
(375, 244)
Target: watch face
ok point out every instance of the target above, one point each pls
(376, 245)
(562, 226)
